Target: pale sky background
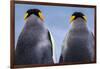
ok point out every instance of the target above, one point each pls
(56, 20)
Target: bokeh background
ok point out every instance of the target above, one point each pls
(56, 20)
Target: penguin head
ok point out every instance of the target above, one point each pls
(35, 12)
(76, 15)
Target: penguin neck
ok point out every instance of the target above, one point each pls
(34, 21)
(79, 23)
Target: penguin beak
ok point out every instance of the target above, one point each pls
(25, 16)
(72, 18)
(41, 16)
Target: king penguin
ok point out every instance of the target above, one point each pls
(34, 45)
(78, 45)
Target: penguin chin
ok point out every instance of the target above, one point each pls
(36, 18)
(79, 23)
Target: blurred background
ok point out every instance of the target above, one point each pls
(56, 20)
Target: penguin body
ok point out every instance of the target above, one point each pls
(78, 46)
(34, 46)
